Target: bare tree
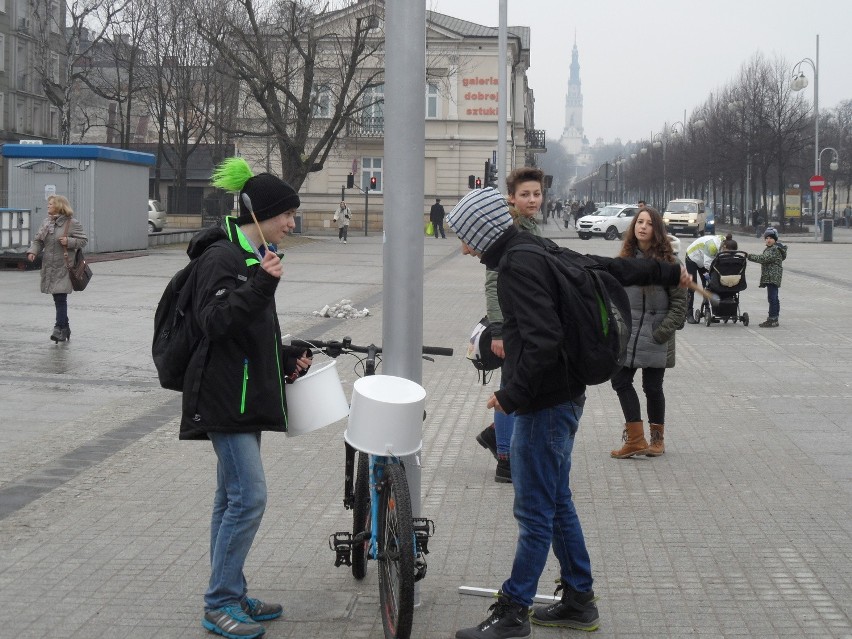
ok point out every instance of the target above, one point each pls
(306, 71)
(63, 43)
(184, 83)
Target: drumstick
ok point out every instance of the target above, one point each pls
(247, 201)
(712, 297)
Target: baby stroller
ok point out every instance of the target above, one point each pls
(727, 279)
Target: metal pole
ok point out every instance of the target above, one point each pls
(366, 209)
(816, 138)
(502, 95)
(405, 148)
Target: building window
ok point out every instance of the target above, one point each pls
(322, 102)
(371, 167)
(54, 68)
(433, 101)
(373, 113)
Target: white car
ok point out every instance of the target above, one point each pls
(156, 216)
(610, 221)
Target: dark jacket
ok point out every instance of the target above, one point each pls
(235, 380)
(436, 213)
(535, 372)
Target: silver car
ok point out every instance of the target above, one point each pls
(156, 216)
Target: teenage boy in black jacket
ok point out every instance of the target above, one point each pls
(548, 403)
(234, 385)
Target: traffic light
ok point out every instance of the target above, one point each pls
(478, 183)
(350, 181)
(471, 182)
(373, 183)
(490, 174)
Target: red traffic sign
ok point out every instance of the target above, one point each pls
(817, 183)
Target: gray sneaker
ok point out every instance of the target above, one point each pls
(575, 610)
(232, 622)
(261, 611)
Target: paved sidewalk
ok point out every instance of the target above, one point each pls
(743, 528)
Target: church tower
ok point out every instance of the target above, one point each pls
(572, 134)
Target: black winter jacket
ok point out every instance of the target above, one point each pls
(535, 371)
(235, 380)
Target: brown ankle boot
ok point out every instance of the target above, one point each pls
(658, 445)
(634, 441)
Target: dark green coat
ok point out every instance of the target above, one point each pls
(770, 260)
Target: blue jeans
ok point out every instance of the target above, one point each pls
(774, 304)
(60, 301)
(541, 463)
(503, 426)
(237, 510)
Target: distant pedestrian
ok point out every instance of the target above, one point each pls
(642, 205)
(436, 216)
(342, 215)
(771, 270)
(58, 234)
(757, 221)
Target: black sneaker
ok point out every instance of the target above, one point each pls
(503, 474)
(488, 439)
(232, 622)
(575, 610)
(508, 620)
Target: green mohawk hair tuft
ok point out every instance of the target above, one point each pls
(231, 174)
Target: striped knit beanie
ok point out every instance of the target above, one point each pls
(480, 218)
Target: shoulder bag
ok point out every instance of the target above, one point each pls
(79, 270)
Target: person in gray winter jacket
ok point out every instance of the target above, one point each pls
(59, 233)
(657, 312)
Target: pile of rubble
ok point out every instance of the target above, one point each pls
(342, 310)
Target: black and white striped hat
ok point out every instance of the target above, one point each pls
(480, 218)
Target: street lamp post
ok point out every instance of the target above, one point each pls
(800, 81)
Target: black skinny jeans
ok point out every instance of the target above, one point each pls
(652, 386)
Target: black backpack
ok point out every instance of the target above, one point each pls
(176, 334)
(594, 309)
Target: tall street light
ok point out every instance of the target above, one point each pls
(735, 106)
(800, 82)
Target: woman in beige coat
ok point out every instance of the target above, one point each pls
(52, 240)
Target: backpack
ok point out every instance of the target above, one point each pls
(594, 309)
(176, 334)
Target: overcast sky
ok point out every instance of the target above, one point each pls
(642, 62)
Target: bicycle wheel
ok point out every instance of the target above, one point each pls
(396, 554)
(361, 516)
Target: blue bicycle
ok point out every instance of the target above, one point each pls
(383, 528)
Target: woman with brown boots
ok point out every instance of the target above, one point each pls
(657, 313)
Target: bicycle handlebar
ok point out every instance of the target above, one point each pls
(346, 345)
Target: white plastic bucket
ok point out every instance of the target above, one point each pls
(315, 400)
(386, 417)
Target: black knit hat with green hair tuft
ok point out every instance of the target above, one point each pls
(269, 194)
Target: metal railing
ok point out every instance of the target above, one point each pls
(367, 126)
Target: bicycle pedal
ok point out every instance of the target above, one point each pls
(423, 530)
(341, 544)
(419, 567)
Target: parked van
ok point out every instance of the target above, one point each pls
(685, 216)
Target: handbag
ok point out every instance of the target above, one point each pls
(79, 272)
(430, 229)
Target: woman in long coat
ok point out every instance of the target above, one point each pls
(657, 312)
(58, 233)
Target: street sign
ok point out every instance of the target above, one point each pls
(817, 183)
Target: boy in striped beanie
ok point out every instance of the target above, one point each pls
(479, 219)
